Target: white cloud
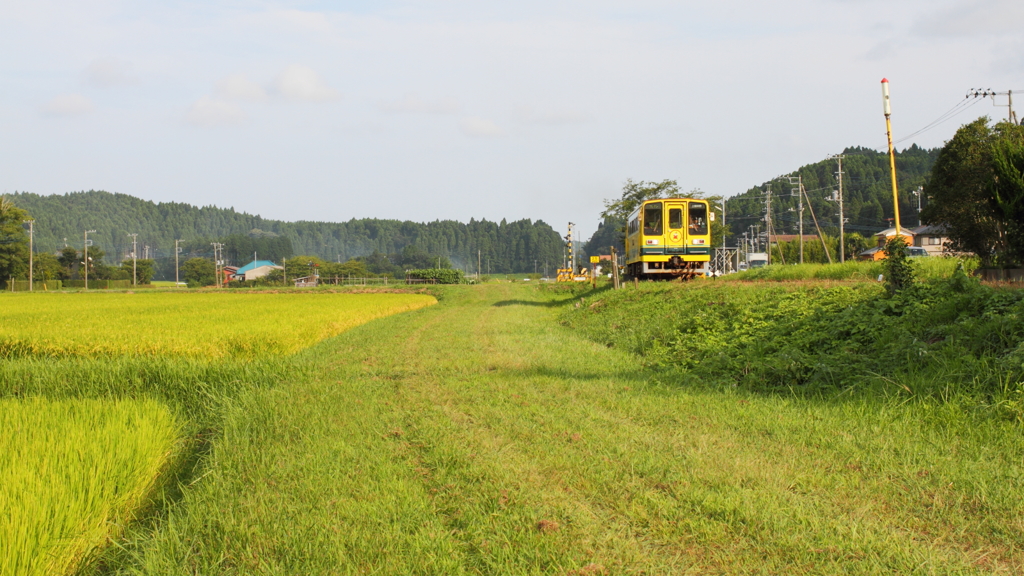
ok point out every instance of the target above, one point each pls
(550, 117)
(68, 105)
(238, 87)
(411, 104)
(108, 72)
(974, 18)
(475, 126)
(209, 112)
(299, 82)
(305, 21)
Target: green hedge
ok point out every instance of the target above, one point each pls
(439, 275)
(99, 284)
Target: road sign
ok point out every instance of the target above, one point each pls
(595, 259)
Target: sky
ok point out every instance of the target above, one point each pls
(453, 109)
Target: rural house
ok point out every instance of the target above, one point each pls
(256, 269)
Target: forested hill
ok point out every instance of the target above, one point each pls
(505, 247)
(867, 194)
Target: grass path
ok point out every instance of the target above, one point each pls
(480, 437)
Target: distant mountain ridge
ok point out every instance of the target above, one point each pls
(504, 247)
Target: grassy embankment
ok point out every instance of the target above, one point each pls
(96, 388)
(930, 268)
(480, 437)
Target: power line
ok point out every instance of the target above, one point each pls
(960, 106)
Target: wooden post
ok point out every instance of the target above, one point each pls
(615, 269)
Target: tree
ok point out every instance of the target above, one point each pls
(97, 269)
(1007, 194)
(976, 191)
(304, 265)
(46, 267)
(199, 272)
(68, 259)
(13, 240)
(144, 270)
(633, 194)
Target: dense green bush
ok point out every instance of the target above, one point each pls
(440, 275)
(934, 337)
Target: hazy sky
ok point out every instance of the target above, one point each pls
(441, 109)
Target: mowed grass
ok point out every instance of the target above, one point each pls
(204, 325)
(480, 437)
(72, 474)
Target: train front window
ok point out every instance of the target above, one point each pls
(675, 218)
(698, 219)
(652, 219)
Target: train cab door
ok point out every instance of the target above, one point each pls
(675, 238)
(698, 229)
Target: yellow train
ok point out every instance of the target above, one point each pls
(669, 238)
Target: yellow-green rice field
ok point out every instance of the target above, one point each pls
(206, 325)
(78, 462)
(72, 473)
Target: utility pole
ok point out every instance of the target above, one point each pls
(85, 256)
(837, 197)
(176, 252)
(1010, 115)
(818, 228)
(768, 219)
(798, 192)
(218, 263)
(30, 250)
(892, 152)
(477, 263)
(919, 193)
(134, 247)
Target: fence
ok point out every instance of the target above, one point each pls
(99, 284)
(41, 285)
(723, 261)
(350, 281)
(1000, 275)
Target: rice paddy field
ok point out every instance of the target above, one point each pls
(514, 429)
(72, 473)
(206, 326)
(107, 398)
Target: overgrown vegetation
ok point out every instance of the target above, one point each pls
(928, 268)
(945, 337)
(438, 275)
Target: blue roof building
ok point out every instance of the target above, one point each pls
(253, 265)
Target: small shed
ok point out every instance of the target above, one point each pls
(307, 282)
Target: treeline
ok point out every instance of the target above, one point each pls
(503, 247)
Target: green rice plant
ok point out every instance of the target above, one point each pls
(72, 473)
(205, 325)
